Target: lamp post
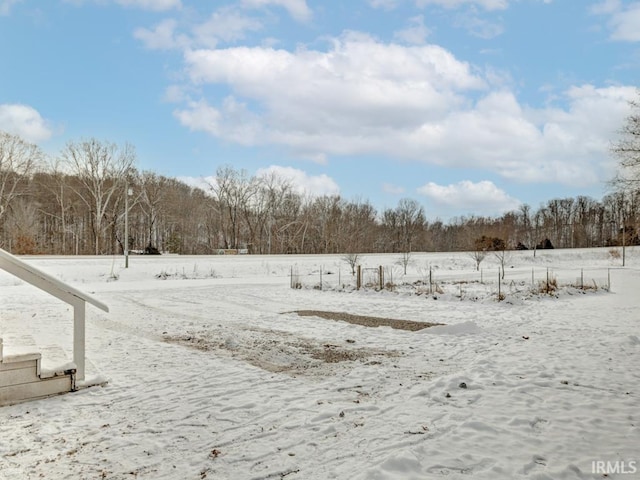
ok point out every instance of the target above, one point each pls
(613, 222)
(624, 234)
(128, 192)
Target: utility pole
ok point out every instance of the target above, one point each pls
(127, 192)
(624, 234)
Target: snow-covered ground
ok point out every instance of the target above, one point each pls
(211, 374)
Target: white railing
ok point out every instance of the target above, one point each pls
(64, 292)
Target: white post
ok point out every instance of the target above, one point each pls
(79, 338)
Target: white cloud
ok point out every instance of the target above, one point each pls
(5, 6)
(161, 37)
(298, 9)
(203, 183)
(564, 145)
(358, 89)
(486, 4)
(385, 4)
(153, 5)
(227, 25)
(606, 7)
(364, 97)
(156, 5)
(302, 182)
(233, 122)
(319, 158)
(482, 196)
(416, 32)
(224, 25)
(24, 121)
(392, 189)
(626, 24)
(624, 21)
(479, 27)
(176, 94)
(201, 116)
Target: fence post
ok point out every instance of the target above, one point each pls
(430, 282)
(381, 277)
(499, 287)
(547, 279)
(582, 278)
(291, 277)
(359, 278)
(482, 276)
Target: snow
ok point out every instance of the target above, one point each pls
(463, 328)
(211, 374)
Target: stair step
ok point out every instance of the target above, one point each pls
(22, 377)
(53, 358)
(18, 369)
(41, 388)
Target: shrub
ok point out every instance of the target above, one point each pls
(545, 245)
(548, 286)
(493, 244)
(24, 245)
(151, 250)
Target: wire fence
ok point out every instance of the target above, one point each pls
(460, 283)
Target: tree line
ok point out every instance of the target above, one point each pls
(78, 202)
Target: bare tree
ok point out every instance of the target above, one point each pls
(265, 208)
(233, 189)
(358, 219)
(405, 260)
(627, 149)
(478, 256)
(24, 227)
(352, 259)
(411, 221)
(391, 231)
(326, 218)
(101, 169)
(18, 160)
(504, 257)
(56, 183)
(77, 206)
(153, 189)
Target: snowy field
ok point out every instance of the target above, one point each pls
(212, 375)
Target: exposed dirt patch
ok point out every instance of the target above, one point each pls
(366, 320)
(281, 352)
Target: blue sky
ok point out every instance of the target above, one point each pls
(468, 106)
